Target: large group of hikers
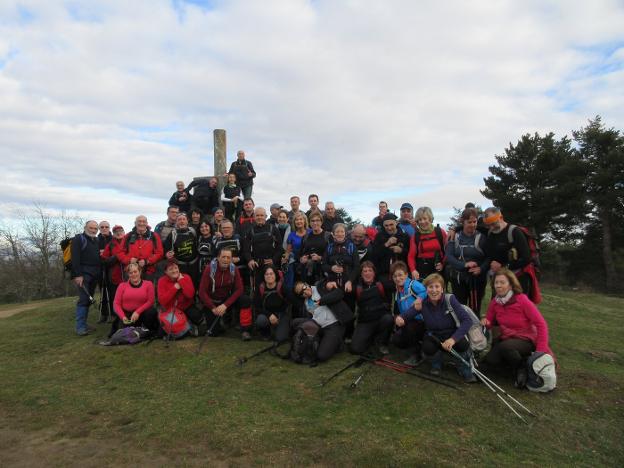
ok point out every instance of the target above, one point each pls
(305, 279)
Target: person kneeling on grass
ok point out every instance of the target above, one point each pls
(134, 302)
(374, 319)
(410, 328)
(221, 290)
(272, 307)
(523, 329)
(176, 291)
(329, 315)
(442, 333)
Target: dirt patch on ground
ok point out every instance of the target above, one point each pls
(4, 313)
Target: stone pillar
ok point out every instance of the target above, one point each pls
(220, 157)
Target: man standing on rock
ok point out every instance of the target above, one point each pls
(244, 173)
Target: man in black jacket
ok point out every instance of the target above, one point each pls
(205, 193)
(244, 173)
(85, 272)
(390, 245)
(261, 245)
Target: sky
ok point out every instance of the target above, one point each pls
(105, 105)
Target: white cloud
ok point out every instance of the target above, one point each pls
(338, 98)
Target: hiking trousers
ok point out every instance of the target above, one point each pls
(365, 333)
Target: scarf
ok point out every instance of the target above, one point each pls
(502, 300)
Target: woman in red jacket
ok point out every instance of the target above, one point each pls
(523, 330)
(134, 301)
(426, 250)
(176, 289)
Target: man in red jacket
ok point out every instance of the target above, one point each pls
(221, 290)
(142, 246)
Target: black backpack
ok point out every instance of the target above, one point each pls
(303, 348)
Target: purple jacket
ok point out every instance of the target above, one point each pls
(439, 321)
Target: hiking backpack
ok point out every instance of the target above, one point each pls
(174, 323)
(476, 336)
(127, 336)
(213, 271)
(279, 288)
(531, 239)
(66, 245)
(380, 287)
(542, 375)
(438, 234)
(303, 348)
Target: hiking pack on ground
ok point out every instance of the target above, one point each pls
(127, 336)
(174, 323)
(303, 348)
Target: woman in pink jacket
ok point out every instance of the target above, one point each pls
(523, 330)
(134, 302)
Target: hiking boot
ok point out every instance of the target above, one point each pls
(246, 336)
(383, 349)
(82, 332)
(414, 360)
(435, 370)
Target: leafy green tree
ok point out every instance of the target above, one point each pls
(601, 151)
(537, 182)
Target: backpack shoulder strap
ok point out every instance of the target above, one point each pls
(380, 288)
(439, 236)
(510, 231)
(358, 292)
(449, 308)
(477, 241)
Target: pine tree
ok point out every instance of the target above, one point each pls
(601, 152)
(537, 182)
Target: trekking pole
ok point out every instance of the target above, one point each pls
(244, 359)
(359, 360)
(207, 334)
(91, 300)
(359, 378)
(415, 373)
(493, 387)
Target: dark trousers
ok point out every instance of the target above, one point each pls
(148, 319)
(511, 352)
(463, 291)
(431, 345)
(281, 330)
(229, 318)
(366, 332)
(90, 279)
(410, 335)
(246, 191)
(330, 337)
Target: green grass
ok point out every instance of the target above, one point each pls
(72, 402)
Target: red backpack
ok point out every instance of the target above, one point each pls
(174, 322)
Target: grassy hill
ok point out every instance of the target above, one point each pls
(66, 401)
